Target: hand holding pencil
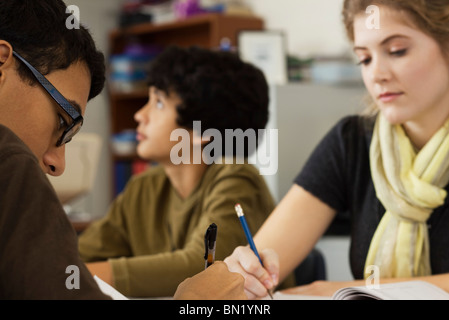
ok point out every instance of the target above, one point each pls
(266, 282)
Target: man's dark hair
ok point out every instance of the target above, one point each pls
(216, 88)
(37, 31)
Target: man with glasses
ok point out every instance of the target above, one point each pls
(48, 73)
(73, 110)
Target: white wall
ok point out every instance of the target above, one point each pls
(312, 27)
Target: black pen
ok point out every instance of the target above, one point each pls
(210, 239)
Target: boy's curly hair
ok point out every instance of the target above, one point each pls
(216, 88)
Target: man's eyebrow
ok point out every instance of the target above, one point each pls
(75, 105)
(385, 41)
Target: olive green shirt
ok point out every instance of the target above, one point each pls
(154, 239)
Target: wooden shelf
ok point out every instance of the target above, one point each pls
(153, 28)
(205, 30)
(130, 157)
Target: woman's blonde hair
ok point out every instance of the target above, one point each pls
(429, 16)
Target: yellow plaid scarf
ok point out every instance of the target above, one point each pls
(409, 185)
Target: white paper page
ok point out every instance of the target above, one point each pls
(408, 290)
(283, 296)
(412, 290)
(109, 290)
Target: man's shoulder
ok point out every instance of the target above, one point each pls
(12, 147)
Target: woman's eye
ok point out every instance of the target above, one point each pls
(398, 53)
(364, 61)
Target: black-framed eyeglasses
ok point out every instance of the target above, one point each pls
(77, 118)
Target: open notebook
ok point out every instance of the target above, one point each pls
(407, 290)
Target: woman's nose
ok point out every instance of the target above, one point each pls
(380, 71)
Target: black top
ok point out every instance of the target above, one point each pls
(38, 246)
(338, 173)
